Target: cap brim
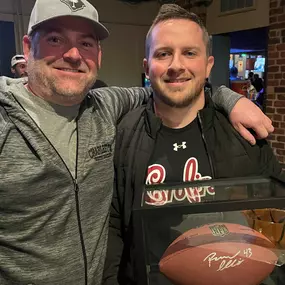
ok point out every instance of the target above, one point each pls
(13, 63)
(100, 30)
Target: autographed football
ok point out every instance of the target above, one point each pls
(219, 254)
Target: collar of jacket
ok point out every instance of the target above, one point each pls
(7, 99)
(154, 123)
(88, 102)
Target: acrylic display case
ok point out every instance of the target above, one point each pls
(165, 212)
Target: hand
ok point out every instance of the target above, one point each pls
(246, 114)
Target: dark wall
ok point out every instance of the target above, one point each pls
(7, 47)
(255, 39)
(221, 52)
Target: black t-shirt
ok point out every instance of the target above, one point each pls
(179, 156)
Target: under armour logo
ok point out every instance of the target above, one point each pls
(74, 5)
(177, 146)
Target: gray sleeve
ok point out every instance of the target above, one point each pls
(225, 98)
(120, 101)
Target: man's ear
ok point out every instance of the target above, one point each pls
(99, 58)
(146, 68)
(13, 70)
(27, 45)
(210, 64)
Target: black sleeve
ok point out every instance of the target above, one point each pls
(117, 267)
(268, 163)
(115, 242)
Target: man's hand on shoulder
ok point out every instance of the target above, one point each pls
(246, 115)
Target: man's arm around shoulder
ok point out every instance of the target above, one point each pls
(243, 114)
(119, 100)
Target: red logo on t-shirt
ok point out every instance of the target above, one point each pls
(157, 175)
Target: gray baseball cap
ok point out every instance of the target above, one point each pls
(45, 10)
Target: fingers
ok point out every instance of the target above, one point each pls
(261, 131)
(253, 119)
(268, 125)
(245, 134)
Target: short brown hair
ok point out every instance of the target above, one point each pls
(173, 11)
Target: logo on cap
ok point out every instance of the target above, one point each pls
(74, 5)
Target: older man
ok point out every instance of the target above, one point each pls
(56, 150)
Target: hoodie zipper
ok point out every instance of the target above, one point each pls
(206, 146)
(76, 190)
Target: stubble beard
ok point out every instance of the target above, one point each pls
(52, 91)
(167, 96)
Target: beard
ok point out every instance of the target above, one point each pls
(172, 96)
(50, 86)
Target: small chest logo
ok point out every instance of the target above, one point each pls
(219, 230)
(100, 152)
(177, 146)
(74, 5)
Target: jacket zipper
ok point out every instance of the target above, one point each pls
(206, 146)
(76, 190)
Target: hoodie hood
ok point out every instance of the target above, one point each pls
(6, 82)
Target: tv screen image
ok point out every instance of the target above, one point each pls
(259, 64)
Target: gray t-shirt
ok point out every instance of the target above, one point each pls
(58, 123)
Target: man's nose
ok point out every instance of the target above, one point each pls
(176, 65)
(72, 55)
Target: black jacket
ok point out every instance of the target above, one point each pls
(229, 155)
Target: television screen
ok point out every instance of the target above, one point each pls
(231, 63)
(259, 64)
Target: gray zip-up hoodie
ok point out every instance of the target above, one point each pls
(53, 228)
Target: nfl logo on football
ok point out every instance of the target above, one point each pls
(219, 230)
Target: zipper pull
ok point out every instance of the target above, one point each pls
(76, 188)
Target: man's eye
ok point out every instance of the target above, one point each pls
(163, 54)
(87, 44)
(54, 40)
(190, 53)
